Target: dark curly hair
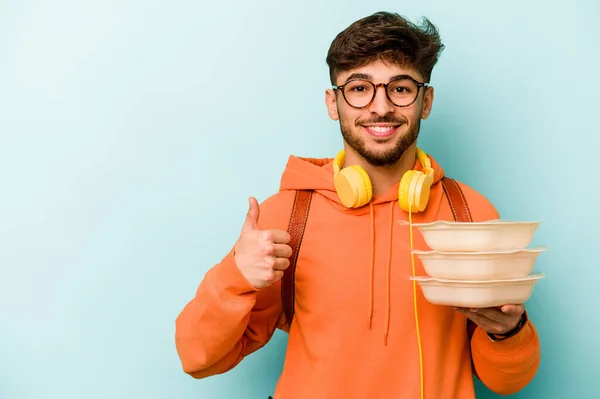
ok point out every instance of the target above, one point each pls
(387, 37)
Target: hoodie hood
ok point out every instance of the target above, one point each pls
(317, 174)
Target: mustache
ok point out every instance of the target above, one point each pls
(385, 119)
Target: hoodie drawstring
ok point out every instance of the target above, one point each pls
(372, 271)
(386, 326)
(387, 276)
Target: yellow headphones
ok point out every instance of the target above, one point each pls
(354, 188)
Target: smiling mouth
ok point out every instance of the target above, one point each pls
(381, 130)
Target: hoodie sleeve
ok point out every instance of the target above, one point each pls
(505, 367)
(228, 318)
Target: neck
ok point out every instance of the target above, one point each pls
(384, 177)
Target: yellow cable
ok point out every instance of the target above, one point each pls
(415, 299)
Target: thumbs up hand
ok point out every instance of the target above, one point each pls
(261, 255)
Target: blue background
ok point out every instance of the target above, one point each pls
(132, 133)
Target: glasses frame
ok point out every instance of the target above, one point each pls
(385, 86)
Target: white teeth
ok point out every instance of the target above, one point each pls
(381, 129)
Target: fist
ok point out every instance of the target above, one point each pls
(261, 255)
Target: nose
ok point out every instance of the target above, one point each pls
(381, 105)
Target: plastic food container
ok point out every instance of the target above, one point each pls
(493, 265)
(493, 235)
(478, 294)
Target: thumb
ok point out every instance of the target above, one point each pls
(513, 310)
(251, 222)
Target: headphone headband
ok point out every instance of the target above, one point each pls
(425, 162)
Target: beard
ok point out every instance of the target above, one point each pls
(382, 157)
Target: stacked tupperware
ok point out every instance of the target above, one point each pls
(478, 264)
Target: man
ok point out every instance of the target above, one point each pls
(353, 334)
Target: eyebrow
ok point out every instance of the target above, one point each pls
(402, 77)
(366, 76)
(358, 76)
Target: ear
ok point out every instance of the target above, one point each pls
(331, 103)
(427, 102)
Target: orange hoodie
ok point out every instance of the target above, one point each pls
(353, 333)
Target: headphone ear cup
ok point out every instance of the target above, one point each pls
(353, 186)
(404, 197)
(414, 190)
(421, 192)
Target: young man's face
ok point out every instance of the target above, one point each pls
(380, 131)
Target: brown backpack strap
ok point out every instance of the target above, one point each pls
(296, 230)
(457, 200)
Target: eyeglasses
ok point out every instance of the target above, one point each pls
(401, 92)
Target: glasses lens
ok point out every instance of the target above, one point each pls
(358, 93)
(402, 91)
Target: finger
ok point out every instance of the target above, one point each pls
(251, 222)
(282, 250)
(495, 315)
(281, 264)
(276, 236)
(481, 320)
(278, 274)
(489, 325)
